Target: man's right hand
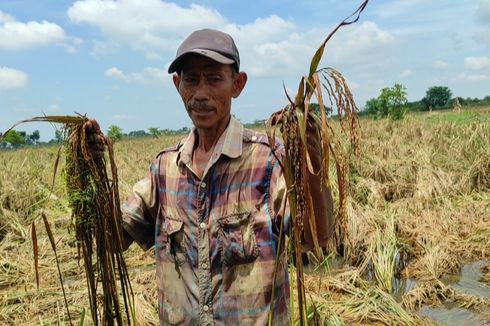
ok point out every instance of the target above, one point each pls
(95, 138)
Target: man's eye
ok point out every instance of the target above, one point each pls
(214, 78)
(190, 80)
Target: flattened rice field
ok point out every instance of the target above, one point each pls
(418, 231)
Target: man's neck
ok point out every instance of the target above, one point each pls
(206, 140)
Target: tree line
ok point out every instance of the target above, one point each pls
(17, 139)
(392, 102)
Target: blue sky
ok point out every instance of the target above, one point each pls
(108, 59)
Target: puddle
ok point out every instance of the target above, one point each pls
(450, 315)
(466, 281)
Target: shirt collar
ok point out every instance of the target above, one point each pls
(229, 144)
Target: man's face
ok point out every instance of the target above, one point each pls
(207, 88)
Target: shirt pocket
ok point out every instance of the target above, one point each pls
(170, 243)
(238, 243)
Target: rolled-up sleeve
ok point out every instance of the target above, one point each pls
(278, 195)
(140, 211)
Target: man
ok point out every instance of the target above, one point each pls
(213, 204)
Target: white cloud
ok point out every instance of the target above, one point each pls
(270, 46)
(53, 108)
(477, 63)
(473, 77)
(483, 12)
(16, 35)
(147, 75)
(12, 78)
(4, 18)
(364, 38)
(441, 65)
(155, 24)
(115, 73)
(406, 73)
(287, 51)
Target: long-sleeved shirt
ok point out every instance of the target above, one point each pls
(216, 238)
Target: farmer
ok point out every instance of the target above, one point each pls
(212, 205)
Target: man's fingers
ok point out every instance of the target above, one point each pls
(95, 138)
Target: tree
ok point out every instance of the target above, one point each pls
(15, 138)
(391, 102)
(371, 106)
(114, 132)
(154, 132)
(34, 137)
(137, 133)
(437, 97)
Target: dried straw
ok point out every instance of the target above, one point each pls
(293, 122)
(94, 200)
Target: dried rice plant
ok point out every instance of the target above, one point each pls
(351, 300)
(293, 122)
(437, 261)
(94, 199)
(434, 292)
(383, 254)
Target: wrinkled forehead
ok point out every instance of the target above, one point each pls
(194, 63)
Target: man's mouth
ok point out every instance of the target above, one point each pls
(200, 108)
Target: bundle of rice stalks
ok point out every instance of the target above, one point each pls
(351, 300)
(434, 292)
(293, 122)
(94, 199)
(383, 253)
(437, 261)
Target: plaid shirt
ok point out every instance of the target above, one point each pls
(215, 238)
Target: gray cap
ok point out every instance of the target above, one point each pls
(211, 43)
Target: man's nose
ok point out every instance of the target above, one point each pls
(202, 92)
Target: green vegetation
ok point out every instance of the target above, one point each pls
(154, 131)
(437, 97)
(14, 138)
(392, 102)
(115, 133)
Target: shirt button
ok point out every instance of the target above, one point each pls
(202, 225)
(204, 265)
(205, 308)
(203, 184)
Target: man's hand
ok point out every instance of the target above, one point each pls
(95, 138)
(321, 195)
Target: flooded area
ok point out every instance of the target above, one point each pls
(468, 282)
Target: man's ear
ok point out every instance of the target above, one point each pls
(176, 78)
(239, 83)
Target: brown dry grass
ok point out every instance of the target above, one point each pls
(431, 179)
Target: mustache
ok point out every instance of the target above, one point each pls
(199, 106)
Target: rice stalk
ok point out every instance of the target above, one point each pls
(353, 301)
(293, 122)
(94, 199)
(434, 292)
(384, 253)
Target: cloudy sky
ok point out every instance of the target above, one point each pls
(108, 58)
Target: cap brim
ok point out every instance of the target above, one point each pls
(216, 56)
